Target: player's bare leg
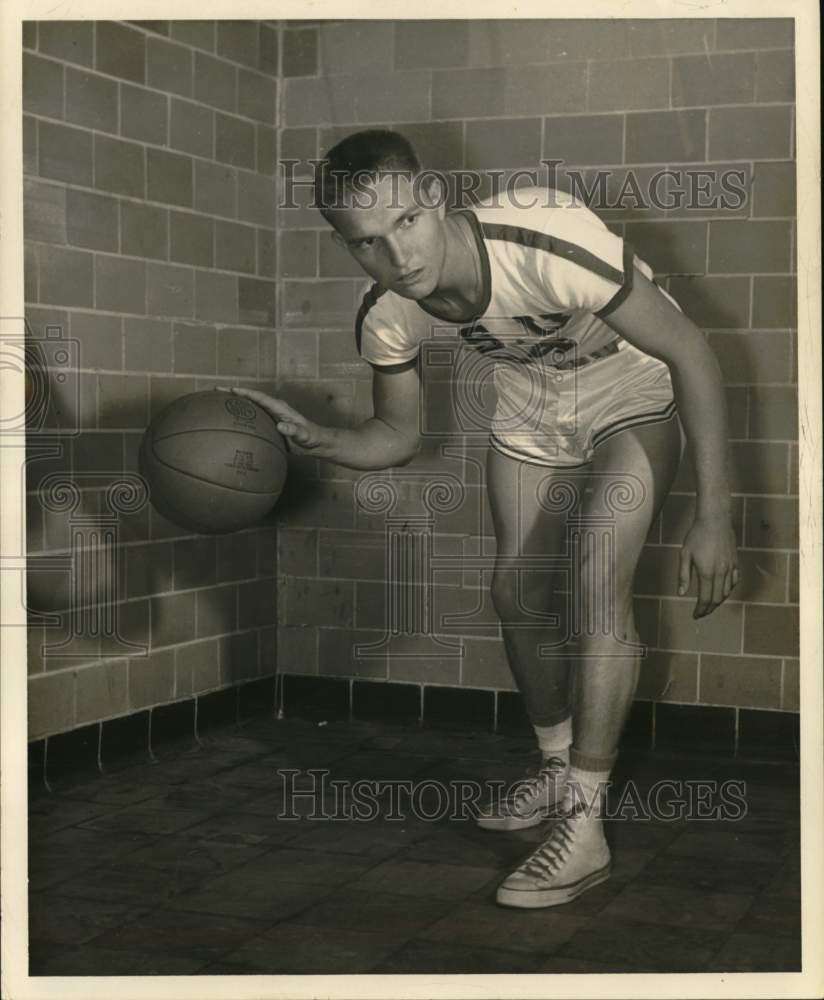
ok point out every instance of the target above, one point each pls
(606, 677)
(526, 597)
(575, 856)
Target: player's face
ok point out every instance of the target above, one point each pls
(396, 233)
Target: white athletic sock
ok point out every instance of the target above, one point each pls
(555, 741)
(586, 787)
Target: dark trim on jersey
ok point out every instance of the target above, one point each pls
(654, 417)
(526, 237)
(402, 366)
(551, 244)
(369, 300)
(499, 445)
(486, 272)
(622, 293)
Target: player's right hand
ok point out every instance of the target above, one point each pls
(291, 424)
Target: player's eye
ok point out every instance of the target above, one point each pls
(365, 244)
(410, 220)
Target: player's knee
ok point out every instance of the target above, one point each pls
(519, 595)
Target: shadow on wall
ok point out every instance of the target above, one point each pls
(107, 576)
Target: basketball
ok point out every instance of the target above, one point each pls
(214, 462)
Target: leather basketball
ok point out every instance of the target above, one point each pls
(214, 462)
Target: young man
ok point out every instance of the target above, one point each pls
(591, 360)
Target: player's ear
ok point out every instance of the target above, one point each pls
(337, 238)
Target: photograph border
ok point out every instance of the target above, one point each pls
(16, 984)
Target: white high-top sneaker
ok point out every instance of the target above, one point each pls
(534, 799)
(575, 857)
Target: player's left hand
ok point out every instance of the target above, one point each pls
(709, 549)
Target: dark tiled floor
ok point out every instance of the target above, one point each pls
(183, 866)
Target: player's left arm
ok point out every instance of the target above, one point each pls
(650, 321)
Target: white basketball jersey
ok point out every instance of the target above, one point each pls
(550, 274)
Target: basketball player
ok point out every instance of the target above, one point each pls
(565, 308)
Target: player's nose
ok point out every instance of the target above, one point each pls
(398, 254)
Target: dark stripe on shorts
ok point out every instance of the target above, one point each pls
(653, 417)
(551, 244)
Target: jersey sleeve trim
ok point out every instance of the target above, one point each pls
(369, 300)
(626, 288)
(401, 366)
(551, 244)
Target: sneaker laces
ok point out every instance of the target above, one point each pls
(549, 772)
(554, 851)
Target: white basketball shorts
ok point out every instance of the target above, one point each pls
(557, 417)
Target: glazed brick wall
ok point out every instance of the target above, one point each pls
(596, 94)
(149, 164)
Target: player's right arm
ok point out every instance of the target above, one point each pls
(387, 340)
(388, 438)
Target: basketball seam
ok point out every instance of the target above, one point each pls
(220, 430)
(202, 479)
